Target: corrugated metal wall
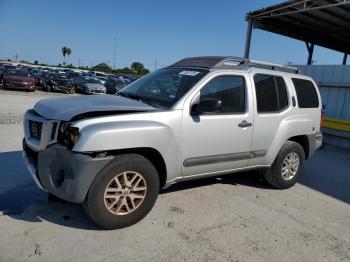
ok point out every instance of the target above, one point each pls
(334, 84)
(327, 74)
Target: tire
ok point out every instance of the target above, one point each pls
(277, 175)
(48, 88)
(114, 213)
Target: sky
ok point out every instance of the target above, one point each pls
(156, 33)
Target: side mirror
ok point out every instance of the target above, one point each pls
(206, 106)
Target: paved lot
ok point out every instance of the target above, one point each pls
(236, 217)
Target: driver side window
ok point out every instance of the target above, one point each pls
(230, 90)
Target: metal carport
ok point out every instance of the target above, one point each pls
(316, 22)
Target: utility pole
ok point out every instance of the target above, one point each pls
(115, 45)
(79, 62)
(155, 65)
(16, 57)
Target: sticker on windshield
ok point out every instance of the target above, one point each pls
(189, 73)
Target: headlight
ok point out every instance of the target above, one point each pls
(74, 134)
(68, 135)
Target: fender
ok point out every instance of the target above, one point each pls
(134, 131)
(290, 127)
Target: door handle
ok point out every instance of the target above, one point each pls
(244, 124)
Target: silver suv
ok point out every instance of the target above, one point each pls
(200, 117)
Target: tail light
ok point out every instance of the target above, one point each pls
(322, 115)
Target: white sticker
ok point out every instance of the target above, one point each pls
(189, 73)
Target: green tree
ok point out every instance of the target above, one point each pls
(139, 68)
(69, 51)
(64, 53)
(103, 67)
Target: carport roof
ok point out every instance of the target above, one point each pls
(321, 22)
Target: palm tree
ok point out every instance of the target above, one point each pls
(68, 52)
(64, 52)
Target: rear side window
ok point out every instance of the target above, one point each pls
(271, 93)
(306, 93)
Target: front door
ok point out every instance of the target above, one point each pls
(218, 140)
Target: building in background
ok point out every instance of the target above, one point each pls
(334, 84)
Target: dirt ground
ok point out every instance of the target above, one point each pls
(235, 217)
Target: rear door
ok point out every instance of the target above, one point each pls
(273, 105)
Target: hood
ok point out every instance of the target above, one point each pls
(63, 81)
(68, 107)
(94, 86)
(19, 79)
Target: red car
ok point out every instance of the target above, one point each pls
(19, 79)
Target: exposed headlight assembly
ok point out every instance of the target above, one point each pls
(68, 135)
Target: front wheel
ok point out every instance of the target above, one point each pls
(123, 192)
(286, 169)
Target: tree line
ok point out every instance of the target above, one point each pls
(135, 68)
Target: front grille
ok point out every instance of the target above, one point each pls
(35, 129)
(53, 131)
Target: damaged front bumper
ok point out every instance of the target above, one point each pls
(63, 173)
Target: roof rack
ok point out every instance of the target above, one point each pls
(274, 66)
(230, 62)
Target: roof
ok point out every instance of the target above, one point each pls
(208, 62)
(321, 22)
(229, 62)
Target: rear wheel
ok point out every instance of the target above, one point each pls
(286, 169)
(123, 192)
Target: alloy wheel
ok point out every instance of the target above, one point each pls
(125, 193)
(290, 166)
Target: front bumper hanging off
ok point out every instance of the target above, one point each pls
(65, 174)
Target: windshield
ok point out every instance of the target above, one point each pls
(19, 73)
(163, 88)
(60, 77)
(92, 80)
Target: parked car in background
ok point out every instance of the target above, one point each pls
(102, 79)
(18, 79)
(113, 85)
(89, 85)
(58, 83)
(38, 74)
(3, 69)
(74, 76)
